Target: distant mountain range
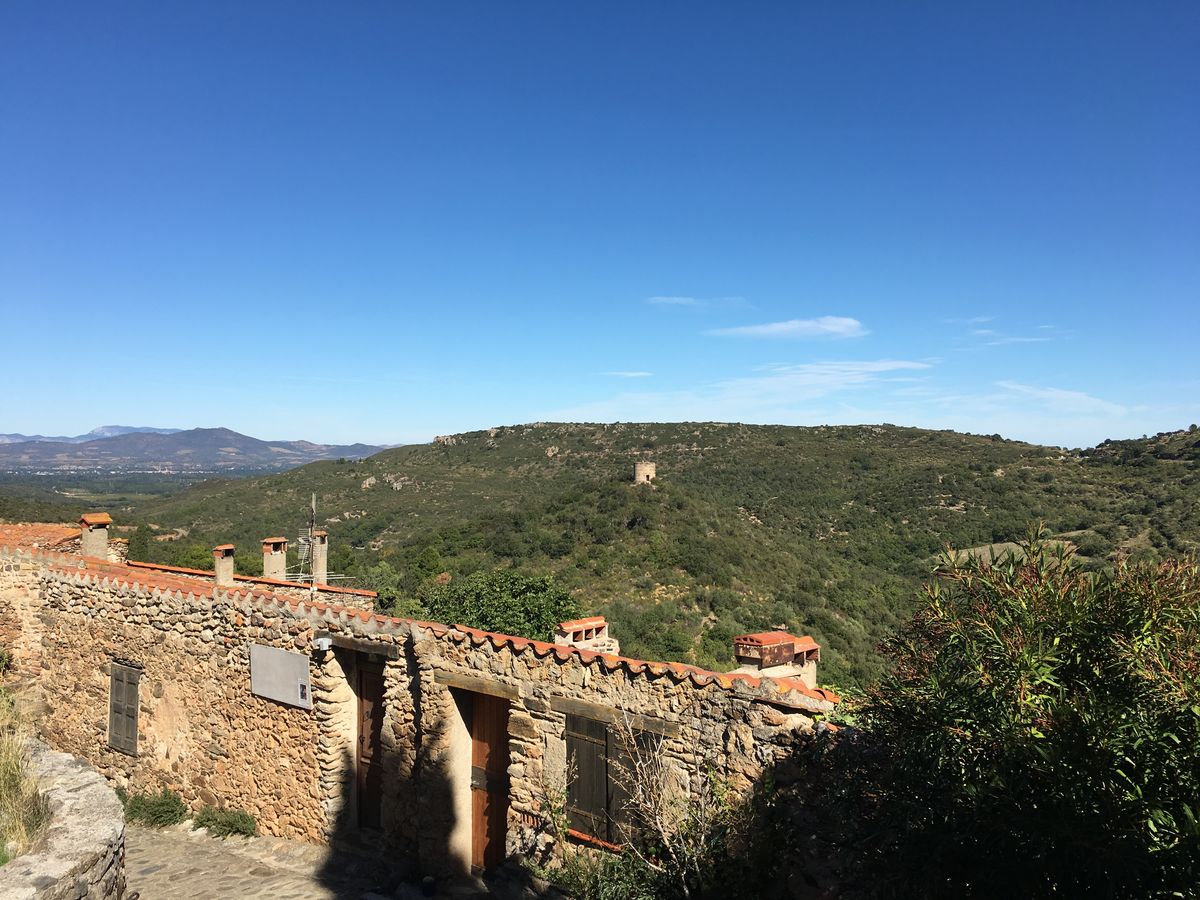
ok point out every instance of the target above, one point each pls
(122, 448)
(103, 431)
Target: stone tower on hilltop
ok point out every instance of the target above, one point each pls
(644, 472)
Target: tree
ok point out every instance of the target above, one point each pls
(1042, 732)
(503, 601)
(139, 544)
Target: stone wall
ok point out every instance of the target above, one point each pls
(203, 734)
(200, 732)
(82, 854)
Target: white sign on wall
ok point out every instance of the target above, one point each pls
(280, 675)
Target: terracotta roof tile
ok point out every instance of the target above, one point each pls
(96, 519)
(765, 638)
(36, 536)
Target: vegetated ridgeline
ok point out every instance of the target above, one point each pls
(824, 530)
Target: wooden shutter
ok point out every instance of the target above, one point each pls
(123, 708)
(620, 772)
(587, 794)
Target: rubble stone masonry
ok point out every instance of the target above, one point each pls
(202, 733)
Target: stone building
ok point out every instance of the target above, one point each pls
(644, 471)
(436, 742)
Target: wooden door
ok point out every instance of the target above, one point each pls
(489, 781)
(370, 730)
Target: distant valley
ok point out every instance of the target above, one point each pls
(124, 450)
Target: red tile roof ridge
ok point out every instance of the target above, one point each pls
(682, 671)
(86, 569)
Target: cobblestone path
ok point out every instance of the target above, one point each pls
(179, 864)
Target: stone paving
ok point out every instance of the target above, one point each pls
(180, 864)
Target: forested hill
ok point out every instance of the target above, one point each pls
(825, 530)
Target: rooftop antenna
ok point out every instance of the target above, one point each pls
(304, 544)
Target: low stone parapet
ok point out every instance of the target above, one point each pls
(82, 853)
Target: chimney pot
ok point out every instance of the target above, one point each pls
(778, 654)
(223, 564)
(586, 634)
(93, 534)
(275, 558)
(320, 557)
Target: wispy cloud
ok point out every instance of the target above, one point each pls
(973, 320)
(825, 326)
(1003, 341)
(1060, 400)
(990, 337)
(705, 303)
(629, 374)
(781, 393)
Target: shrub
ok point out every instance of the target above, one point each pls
(1041, 732)
(224, 822)
(155, 810)
(6, 660)
(682, 842)
(504, 601)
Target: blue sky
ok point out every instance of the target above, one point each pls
(385, 221)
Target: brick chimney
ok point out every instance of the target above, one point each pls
(586, 634)
(320, 557)
(275, 557)
(223, 564)
(93, 536)
(778, 654)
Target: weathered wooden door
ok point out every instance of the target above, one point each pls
(489, 781)
(370, 730)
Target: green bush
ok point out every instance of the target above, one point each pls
(156, 810)
(504, 601)
(1041, 733)
(224, 822)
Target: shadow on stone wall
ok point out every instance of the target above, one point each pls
(378, 860)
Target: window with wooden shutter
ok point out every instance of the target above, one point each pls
(123, 708)
(597, 798)
(587, 793)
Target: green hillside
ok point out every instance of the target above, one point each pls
(825, 530)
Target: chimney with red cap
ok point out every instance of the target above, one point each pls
(587, 634)
(778, 654)
(93, 537)
(223, 564)
(275, 558)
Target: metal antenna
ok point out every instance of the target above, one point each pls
(304, 545)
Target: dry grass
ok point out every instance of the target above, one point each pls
(23, 810)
